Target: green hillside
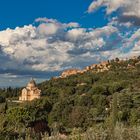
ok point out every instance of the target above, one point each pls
(89, 100)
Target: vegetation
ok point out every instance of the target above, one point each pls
(92, 105)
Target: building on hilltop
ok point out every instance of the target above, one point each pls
(30, 92)
(70, 72)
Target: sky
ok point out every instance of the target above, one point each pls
(41, 38)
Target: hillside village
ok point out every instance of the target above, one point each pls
(103, 66)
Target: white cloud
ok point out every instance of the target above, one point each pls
(73, 24)
(47, 29)
(9, 35)
(47, 20)
(112, 5)
(51, 46)
(54, 21)
(74, 34)
(60, 46)
(129, 10)
(132, 44)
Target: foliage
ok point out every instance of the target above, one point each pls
(81, 101)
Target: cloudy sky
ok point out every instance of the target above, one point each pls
(41, 38)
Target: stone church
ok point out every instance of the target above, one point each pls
(30, 92)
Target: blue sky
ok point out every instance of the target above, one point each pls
(19, 13)
(41, 38)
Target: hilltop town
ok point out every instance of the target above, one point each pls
(103, 66)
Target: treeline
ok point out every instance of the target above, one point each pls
(8, 93)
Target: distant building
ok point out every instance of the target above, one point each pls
(69, 72)
(31, 92)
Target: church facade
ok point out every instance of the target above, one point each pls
(30, 92)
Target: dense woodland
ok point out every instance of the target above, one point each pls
(97, 100)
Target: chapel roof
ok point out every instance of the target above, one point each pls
(32, 82)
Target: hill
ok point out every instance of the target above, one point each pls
(100, 95)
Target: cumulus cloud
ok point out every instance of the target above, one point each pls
(52, 46)
(48, 29)
(111, 5)
(128, 10)
(54, 21)
(74, 34)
